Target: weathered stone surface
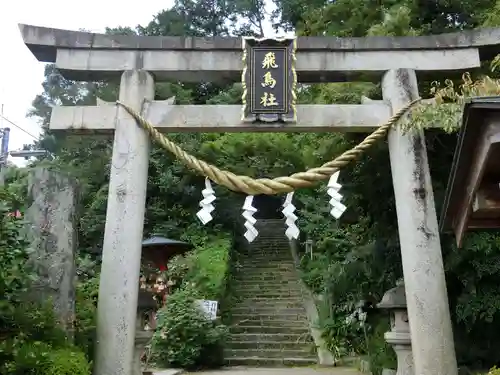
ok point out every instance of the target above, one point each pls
(424, 278)
(221, 118)
(121, 256)
(52, 230)
(88, 56)
(48, 39)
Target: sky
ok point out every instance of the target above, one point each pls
(21, 75)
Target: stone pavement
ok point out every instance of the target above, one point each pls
(281, 371)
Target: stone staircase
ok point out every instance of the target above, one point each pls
(269, 323)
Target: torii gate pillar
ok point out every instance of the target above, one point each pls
(427, 299)
(121, 255)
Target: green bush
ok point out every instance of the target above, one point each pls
(184, 337)
(210, 265)
(86, 314)
(204, 270)
(67, 361)
(31, 341)
(39, 358)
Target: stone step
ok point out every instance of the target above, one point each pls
(277, 237)
(242, 281)
(277, 234)
(304, 337)
(271, 328)
(267, 242)
(267, 271)
(267, 251)
(291, 302)
(267, 285)
(270, 221)
(269, 248)
(264, 274)
(243, 295)
(254, 271)
(271, 316)
(267, 310)
(267, 277)
(266, 255)
(270, 362)
(267, 263)
(277, 304)
(273, 345)
(265, 260)
(268, 290)
(270, 320)
(259, 298)
(270, 353)
(292, 287)
(303, 345)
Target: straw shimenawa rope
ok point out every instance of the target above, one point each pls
(268, 186)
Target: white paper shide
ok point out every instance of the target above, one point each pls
(248, 212)
(205, 214)
(333, 191)
(292, 231)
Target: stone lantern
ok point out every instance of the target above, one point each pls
(394, 300)
(156, 252)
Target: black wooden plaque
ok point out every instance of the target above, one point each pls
(269, 80)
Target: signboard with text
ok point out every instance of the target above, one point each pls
(269, 80)
(209, 308)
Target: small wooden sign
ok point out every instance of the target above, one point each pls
(269, 80)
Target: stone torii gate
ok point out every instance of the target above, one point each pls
(138, 60)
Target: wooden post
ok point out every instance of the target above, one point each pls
(121, 257)
(427, 299)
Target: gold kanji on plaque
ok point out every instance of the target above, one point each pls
(269, 61)
(269, 81)
(268, 100)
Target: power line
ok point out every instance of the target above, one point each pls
(17, 126)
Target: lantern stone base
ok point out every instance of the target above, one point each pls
(401, 343)
(142, 339)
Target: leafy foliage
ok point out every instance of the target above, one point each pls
(356, 258)
(184, 337)
(86, 314)
(31, 340)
